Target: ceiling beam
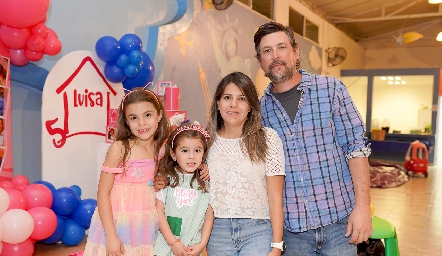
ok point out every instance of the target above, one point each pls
(398, 17)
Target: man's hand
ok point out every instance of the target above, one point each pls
(359, 225)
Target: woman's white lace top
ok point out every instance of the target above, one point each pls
(238, 186)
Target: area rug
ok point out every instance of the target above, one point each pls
(387, 175)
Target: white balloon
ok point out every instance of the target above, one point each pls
(18, 226)
(4, 201)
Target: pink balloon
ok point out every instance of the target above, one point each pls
(18, 57)
(23, 13)
(16, 199)
(6, 184)
(33, 56)
(4, 203)
(2, 233)
(20, 179)
(40, 30)
(45, 222)
(37, 195)
(25, 248)
(52, 46)
(14, 38)
(35, 43)
(18, 225)
(20, 187)
(4, 50)
(51, 33)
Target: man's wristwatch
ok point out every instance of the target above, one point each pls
(280, 246)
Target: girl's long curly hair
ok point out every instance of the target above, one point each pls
(123, 131)
(253, 134)
(166, 166)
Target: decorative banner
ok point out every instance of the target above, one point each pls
(76, 100)
(6, 166)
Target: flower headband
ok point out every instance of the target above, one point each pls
(142, 89)
(192, 128)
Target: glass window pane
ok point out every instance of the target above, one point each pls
(296, 21)
(357, 87)
(405, 101)
(311, 31)
(263, 6)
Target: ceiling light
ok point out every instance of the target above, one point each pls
(390, 82)
(397, 78)
(390, 78)
(383, 78)
(397, 82)
(439, 36)
(435, 1)
(403, 82)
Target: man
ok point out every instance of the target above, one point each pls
(327, 184)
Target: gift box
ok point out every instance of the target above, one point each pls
(172, 98)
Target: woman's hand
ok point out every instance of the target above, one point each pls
(275, 252)
(160, 182)
(204, 173)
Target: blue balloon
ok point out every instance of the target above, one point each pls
(47, 184)
(84, 211)
(131, 70)
(58, 233)
(108, 48)
(73, 233)
(145, 74)
(135, 57)
(65, 201)
(130, 42)
(114, 73)
(77, 189)
(123, 61)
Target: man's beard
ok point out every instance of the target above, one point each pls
(286, 74)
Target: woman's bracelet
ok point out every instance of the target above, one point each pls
(177, 240)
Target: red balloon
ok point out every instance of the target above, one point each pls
(35, 43)
(14, 38)
(51, 33)
(37, 195)
(40, 30)
(52, 46)
(16, 199)
(20, 187)
(25, 248)
(6, 184)
(45, 222)
(23, 13)
(18, 57)
(20, 179)
(4, 50)
(33, 56)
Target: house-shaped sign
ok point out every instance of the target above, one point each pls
(76, 100)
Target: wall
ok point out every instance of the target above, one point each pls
(329, 36)
(403, 57)
(80, 23)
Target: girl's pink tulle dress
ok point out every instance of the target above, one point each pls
(133, 206)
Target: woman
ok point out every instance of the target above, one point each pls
(246, 163)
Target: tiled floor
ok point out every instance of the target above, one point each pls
(415, 208)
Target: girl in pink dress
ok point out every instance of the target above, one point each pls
(126, 220)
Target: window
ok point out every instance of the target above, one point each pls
(303, 26)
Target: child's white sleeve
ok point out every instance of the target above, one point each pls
(159, 195)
